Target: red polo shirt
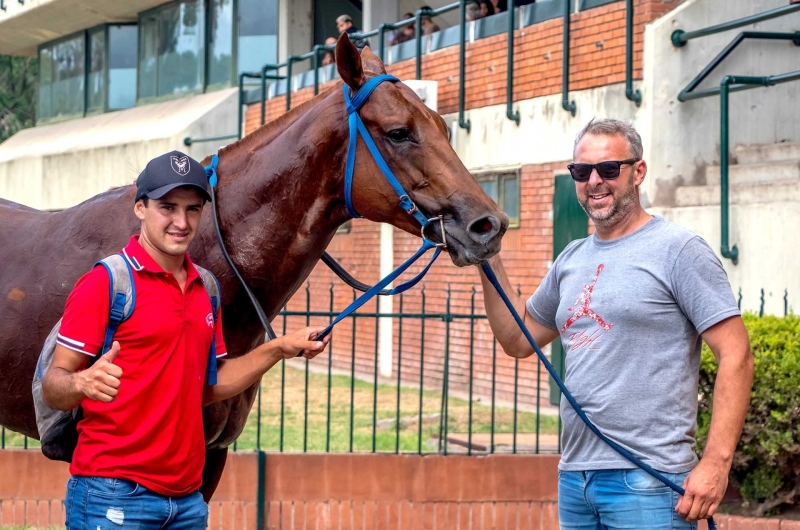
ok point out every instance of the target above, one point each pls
(152, 433)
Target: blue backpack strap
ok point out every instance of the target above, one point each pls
(122, 295)
(214, 293)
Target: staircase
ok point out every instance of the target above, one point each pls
(764, 173)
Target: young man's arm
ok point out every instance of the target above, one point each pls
(503, 325)
(66, 383)
(235, 375)
(706, 484)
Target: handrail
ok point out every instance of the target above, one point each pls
(464, 124)
(730, 84)
(635, 96)
(689, 92)
(510, 113)
(566, 104)
(679, 37)
(418, 16)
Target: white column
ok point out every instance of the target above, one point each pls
(379, 11)
(385, 305)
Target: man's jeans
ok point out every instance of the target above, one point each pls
(111, 504)
(619, 498)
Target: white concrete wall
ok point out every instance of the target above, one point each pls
(60, 165)
(683, 138)
(680, 139)
(295, 30)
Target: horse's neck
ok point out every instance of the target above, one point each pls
(280, 203)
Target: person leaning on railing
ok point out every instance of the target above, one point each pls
(344, 23)
(632, 305)
(404, 34)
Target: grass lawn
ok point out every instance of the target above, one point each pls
(312, 418)
(386, 438)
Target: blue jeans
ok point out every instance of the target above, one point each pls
(618, 498)
(116, 504)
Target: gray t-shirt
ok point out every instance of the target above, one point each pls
(630, 312)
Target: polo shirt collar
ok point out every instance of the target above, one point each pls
(140, 260)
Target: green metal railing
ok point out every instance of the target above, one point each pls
(730, 84)
(511, 114)
(680, 37)
(566, 104)
(270, 71)
(630, 93)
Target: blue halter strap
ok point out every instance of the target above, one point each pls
(357, 127)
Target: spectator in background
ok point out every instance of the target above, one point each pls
(500, 5)
(344, 23)
(487, 8)
(473, 11)
(404, 34)
(329, 57)
(428, 25)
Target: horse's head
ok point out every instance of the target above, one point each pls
(414, 142)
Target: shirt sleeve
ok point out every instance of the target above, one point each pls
(219, 340)
(543, 304)
(701, 286)
(83, 326)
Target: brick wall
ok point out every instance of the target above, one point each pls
(537, 61)
(342, 492)
(526, 250)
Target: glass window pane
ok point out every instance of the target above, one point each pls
(258, 34)
(97, 78)
(45, 107)
(122, 45)
(148, 56)
(181, 47)
(68, 73)
(490, 188)
(220, 53)
(511, 196)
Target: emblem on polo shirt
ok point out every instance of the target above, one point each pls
(210, 320)
(180, 164)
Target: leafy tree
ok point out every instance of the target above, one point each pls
(17, 94)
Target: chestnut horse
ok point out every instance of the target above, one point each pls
(280, 200)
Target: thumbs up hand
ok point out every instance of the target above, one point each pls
(101, 381)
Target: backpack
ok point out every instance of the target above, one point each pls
(58, 428)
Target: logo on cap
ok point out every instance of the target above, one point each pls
(180, 164)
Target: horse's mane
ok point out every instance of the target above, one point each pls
(270, 130)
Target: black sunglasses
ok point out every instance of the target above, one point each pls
(608, 170)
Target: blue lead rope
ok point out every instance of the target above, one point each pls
(487, 270)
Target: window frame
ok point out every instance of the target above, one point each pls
(86, 34)
(499, 176)
(207, 6)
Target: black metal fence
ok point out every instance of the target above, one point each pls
(448, 389)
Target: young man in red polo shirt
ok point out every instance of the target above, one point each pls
(141, 450)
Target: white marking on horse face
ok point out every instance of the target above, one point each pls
(115, 515)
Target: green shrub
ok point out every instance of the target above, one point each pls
(766, 466)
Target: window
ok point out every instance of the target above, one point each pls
(220, 43)
(503, 188)
(96, 76)
(61, 77)
(122, 43)
(75, 73)
(258, 34)
(172, 49)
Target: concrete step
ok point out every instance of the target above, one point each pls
(756, 173)
(784, 191)
(758, 153)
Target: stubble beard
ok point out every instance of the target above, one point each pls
(621, 207)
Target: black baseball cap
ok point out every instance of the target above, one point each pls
(169, 171)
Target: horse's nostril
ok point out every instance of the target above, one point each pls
(481, 226)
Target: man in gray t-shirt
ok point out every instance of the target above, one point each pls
(632, 304)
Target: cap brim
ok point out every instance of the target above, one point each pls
(163, 190)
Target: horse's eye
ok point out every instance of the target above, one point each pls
(399, 135)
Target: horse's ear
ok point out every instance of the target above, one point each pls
(348, 63)
(372, 63)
